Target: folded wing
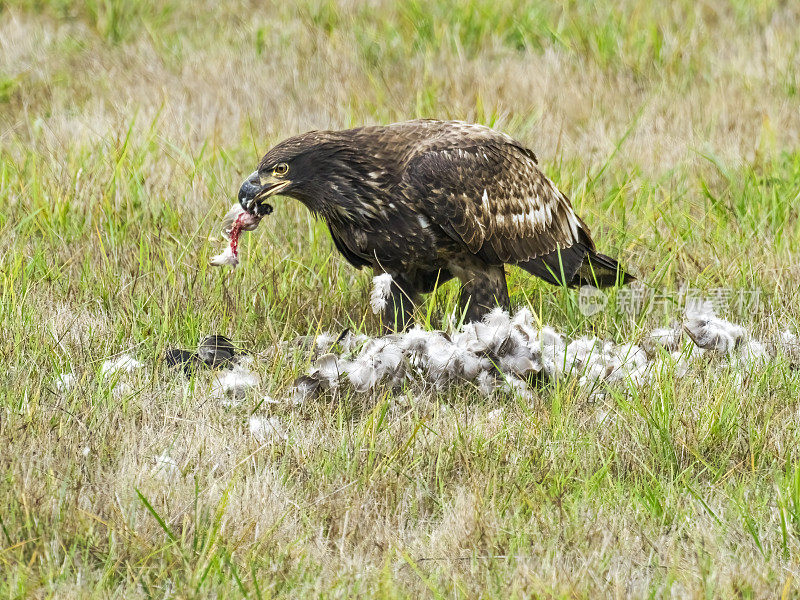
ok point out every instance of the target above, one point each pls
(492, 196)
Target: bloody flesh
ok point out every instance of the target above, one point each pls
(234, 223)
(236, 230)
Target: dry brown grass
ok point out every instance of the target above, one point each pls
(727, 83)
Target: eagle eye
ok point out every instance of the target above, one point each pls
(281, 169)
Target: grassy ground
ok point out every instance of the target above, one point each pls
(125, 129)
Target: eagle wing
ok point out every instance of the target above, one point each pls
(489, 194)
(353, 258)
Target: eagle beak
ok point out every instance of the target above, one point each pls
(255, 190)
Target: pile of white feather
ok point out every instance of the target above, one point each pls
(505, 352)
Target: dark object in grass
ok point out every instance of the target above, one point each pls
(216, 351)
(189, 362)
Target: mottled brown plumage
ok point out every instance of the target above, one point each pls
(429, 200)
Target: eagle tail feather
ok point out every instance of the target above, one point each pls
(559, 267)
(576, 266)
(600, 270)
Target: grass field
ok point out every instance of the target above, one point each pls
(125, 130)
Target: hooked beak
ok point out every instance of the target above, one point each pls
(255, 191)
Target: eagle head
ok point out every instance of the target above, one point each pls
(313, 167)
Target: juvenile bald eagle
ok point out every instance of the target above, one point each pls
(426, 201)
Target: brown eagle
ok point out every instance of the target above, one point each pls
(426, 201)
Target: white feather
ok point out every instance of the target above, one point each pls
(381, 292)
(235, 383)
(267, 430)
(124, 362)
(65, 382)
(486, 383)
(362, 374)
(709, 332)
(789, 345)
(327, 370)
(226, 258)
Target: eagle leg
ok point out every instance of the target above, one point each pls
(482, 289)
(399, 312)
(427, 281)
